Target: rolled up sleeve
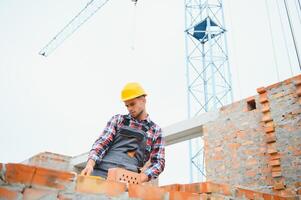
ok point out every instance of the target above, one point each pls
(157, 157)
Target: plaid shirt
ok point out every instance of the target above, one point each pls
(155, 150)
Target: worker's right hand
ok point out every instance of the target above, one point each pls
(89, 168)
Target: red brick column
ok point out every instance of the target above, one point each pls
(270, 139)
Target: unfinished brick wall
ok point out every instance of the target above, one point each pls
(27, 182)
(256, 142)
(50, 160)
(286, 113)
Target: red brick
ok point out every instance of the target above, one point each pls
(275, 156)
(250, 151)
(30, 175)
(8, 194)
(298, 184)
(288, 81)
(272, 148)
(94, 184)
(287, 194)
(267, 117)
(248, 142)
(278, 95)
(235, 164)
(173, 195)
(265, 108)
(218, 156)
(275, 85)
(52, 178)
(33, 194)
(269, 129)
(251, 173)
(274, 162)
(270, 137)
(267, 196)
(194, 188)
(276, 174)
(248, 194)
(261, 90)
(279, 185)
(240, 134)
(122, 175)
(251, 161)
(298, 92)
(276, 169)
(298, 82)
(173, 187)
(146, 192)
(1, 171)
(271, 123)
(19, 173)
(206, 187)
(252, 98)
(227, 189)
(234, 146)
(263, 98)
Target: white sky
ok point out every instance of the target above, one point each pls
(61, 103)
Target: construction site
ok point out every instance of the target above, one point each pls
(245, 146)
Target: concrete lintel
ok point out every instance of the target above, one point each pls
(175, 133)
(187, 129)
(80, 160)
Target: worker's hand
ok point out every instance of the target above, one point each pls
(89, 168)
(143, 177)
(87, 171)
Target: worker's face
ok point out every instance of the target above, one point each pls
(136, 106)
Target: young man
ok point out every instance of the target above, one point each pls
(129, 141)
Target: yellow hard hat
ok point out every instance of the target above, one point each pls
(131, 91)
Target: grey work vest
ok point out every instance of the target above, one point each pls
(126, 140)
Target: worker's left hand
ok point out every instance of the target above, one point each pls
(143, 177)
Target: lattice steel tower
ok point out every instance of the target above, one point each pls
(208, 74)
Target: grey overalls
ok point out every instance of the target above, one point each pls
(127, 151)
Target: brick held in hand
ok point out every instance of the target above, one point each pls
(123, 175)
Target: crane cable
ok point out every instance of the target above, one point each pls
(134, 25)
(272, 39)
(297, 2)
(284, 38)
(292, 32)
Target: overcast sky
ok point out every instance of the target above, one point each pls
(62, 102)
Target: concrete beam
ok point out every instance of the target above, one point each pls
(175, 133)
(187, 129)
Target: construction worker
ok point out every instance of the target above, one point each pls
(129, 141)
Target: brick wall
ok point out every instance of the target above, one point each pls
(50, 160)
(256, 142)
(22, 182)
